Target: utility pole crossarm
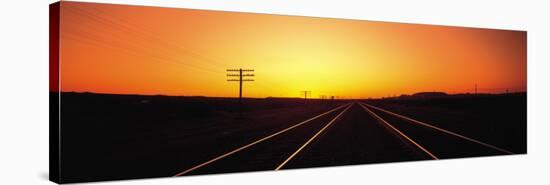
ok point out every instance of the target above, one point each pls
(240, 75)
(237, 76)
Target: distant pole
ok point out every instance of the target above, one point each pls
(240, 84)
(306, 93)
(475, 90)
(248, 73)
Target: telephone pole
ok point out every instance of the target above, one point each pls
(306, 93)
(232, 73)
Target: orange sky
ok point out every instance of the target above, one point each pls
(148, 50)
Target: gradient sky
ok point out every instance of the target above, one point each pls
(148, 50)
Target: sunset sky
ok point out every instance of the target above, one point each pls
(148, 50)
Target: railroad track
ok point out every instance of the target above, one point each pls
(262, 140)
(354, 133)
(438, 142)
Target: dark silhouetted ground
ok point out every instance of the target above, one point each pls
(110, 137)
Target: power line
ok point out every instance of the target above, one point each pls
(123, 29)
(145, 31)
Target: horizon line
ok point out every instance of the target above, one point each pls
(296, 97)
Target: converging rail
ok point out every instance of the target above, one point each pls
(399, 132)
(261, 140)
(439, 129)
(313, 137)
